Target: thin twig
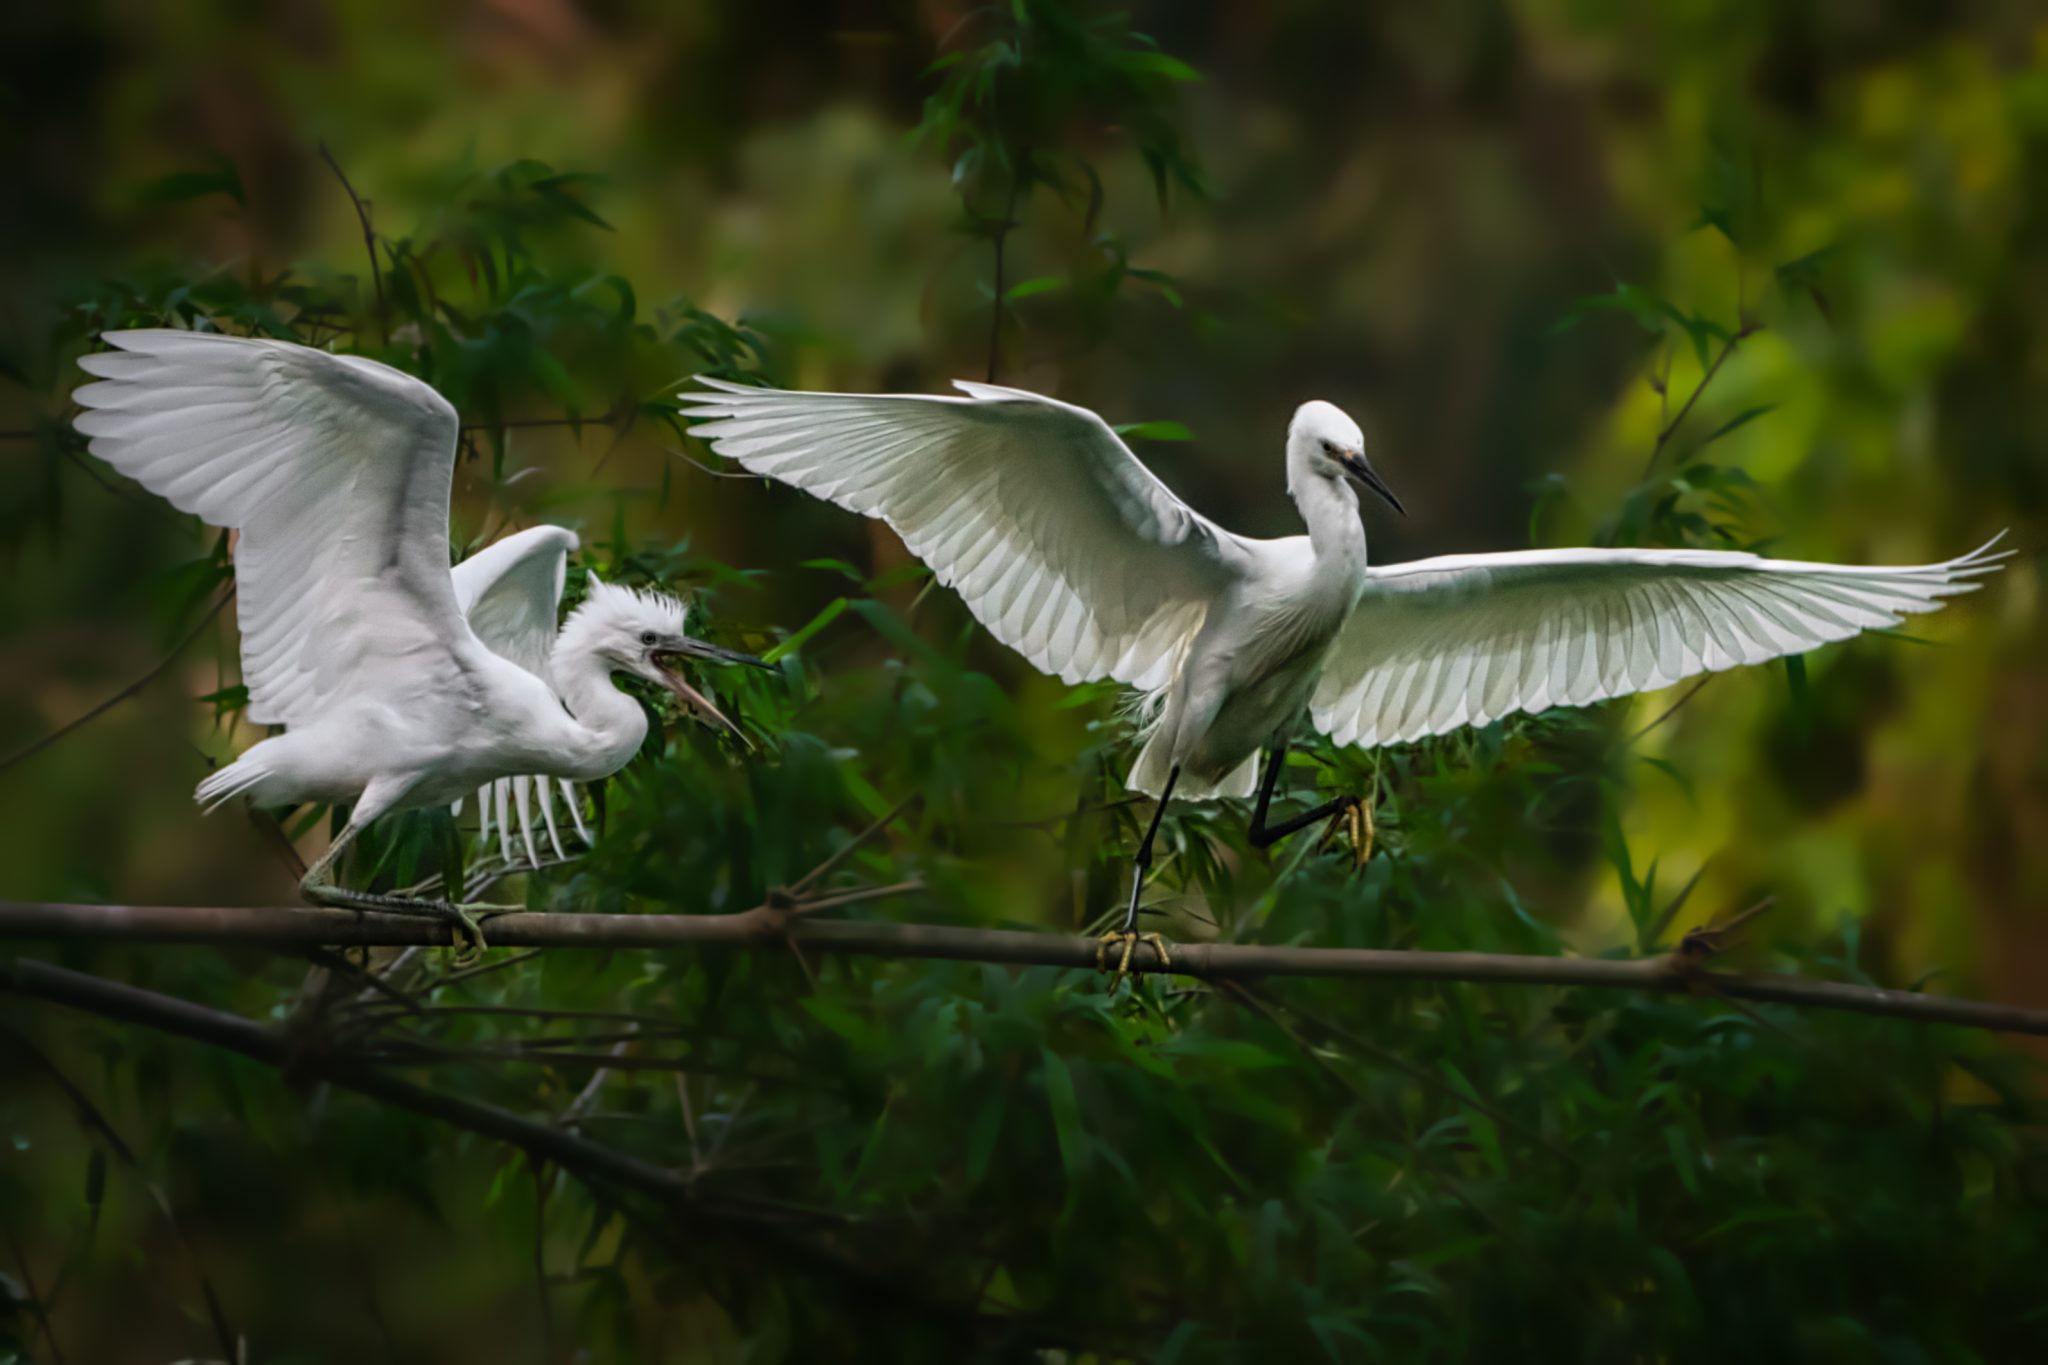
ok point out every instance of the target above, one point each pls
(619, 433)
(372, 983)
(850, 845)
(1002, 234)
(1664, 435)
(391, 969)
(770, 929)
(540, 1141)
(89, 1115)
(732, 1120)
(586, 1098)
(865, 893)
(1655, 933)
(1668, 711)
(690, 459)
(1707, 939)
(125, 693)
(369, 242)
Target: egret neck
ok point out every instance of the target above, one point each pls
(1329, 506)
(613, 724)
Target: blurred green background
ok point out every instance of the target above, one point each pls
(1511, 238)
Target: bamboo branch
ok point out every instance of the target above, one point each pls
(768, 929)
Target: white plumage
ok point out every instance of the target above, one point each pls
(400, 684)
(1072, 553)
(510, 592)
(1465, 639)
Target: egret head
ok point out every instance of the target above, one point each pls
(1322, 442)
(641, 633)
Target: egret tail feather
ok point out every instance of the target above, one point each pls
(225, 784)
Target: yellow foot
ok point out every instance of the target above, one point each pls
(1354, 821)
(1129, 942)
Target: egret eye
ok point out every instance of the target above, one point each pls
(1330, 449)
(646, 637)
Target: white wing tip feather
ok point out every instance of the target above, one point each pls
(1918, 589)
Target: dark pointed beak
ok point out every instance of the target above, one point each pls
(683, 647)
(715, 654)
(1366, 476)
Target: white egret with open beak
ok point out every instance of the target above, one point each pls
(399, 683)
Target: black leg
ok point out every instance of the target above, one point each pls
(1144, 859)
(1264, 835)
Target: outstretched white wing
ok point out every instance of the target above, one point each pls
(511, 593)
(336, 472)
(1465, 639)
(1056, 537)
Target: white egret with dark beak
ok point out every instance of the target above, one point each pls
(1073, 554)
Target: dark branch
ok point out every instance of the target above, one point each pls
(541, 1142)
(775, 930)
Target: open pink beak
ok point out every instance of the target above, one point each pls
(697, 701)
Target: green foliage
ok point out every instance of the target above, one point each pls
(1038, 78)
(1021, 105)
(933, 1160)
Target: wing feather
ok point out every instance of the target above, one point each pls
(334, 469)
(511, 594)
(1465, 639)
(1058, 540)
